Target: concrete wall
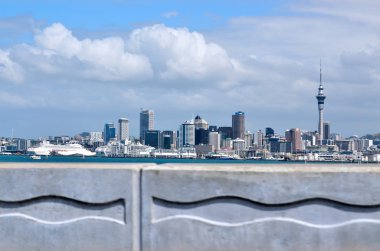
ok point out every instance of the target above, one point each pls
(189, 207)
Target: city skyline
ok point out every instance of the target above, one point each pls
(71, 67)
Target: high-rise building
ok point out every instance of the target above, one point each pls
(225, 132)
(294, 136)
(238, 126)
(259, 139)
(326, 130)
(201, 136)
(248, 139)
(146, 122)
(321, 101)
(214, 140)
(187, 134)
(200, 123)
(269, 132)
(169, 135)
(153, 138)
(123, 133)
(109, 132)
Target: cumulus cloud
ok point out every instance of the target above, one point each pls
(179, 53)
(105, 59)
(10, 70)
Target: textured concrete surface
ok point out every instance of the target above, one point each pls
(69, 207)
(283, 207)
(146, 207)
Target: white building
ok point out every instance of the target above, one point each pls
(214, 140)
(123, 133)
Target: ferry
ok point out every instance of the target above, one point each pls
(73, 148)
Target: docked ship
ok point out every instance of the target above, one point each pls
(73, 148)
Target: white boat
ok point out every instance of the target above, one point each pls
(72, 148)
(35, 157)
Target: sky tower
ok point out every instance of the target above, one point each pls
(321, 101)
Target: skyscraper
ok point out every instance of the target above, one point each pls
(109, 132)
(321, 101)
(238, 127)
(123, 133)
(294, 136)
(146, 122)
(201, 131)
(200, 123)
(187, 134)
(326, 130)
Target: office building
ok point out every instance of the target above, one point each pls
(225, 132)
(172, 136)
(123, 133)
(214, 140)
(238, 125)
(187, 134)
(146, 122)
(259, 139)
(200, 123)
(201, 136)
(153, 138)
(326, 130)
(269, 132)
(248, 139)
(294, 136)
(109, 132)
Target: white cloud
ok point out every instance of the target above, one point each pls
(179, 53)
(9, 70)
(104, 59)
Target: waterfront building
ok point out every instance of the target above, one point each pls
(187, 134)
(214, 140)
(238, 145)
(123, 133)
(280, 146)
(238, 125)
(146, 122)
(109, 132)
(166, 142)
(321, 101)
(226, 143)
(294, 136)
(172, 136)
(153, 138)
(345, 145)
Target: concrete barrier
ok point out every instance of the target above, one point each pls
(147, 207)
(69, 207)
(267, 208)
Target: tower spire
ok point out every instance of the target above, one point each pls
(320, 71)
(321, 101)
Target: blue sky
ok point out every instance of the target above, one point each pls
(71, 66)
(103, 14)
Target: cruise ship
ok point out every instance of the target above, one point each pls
(72, 148)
